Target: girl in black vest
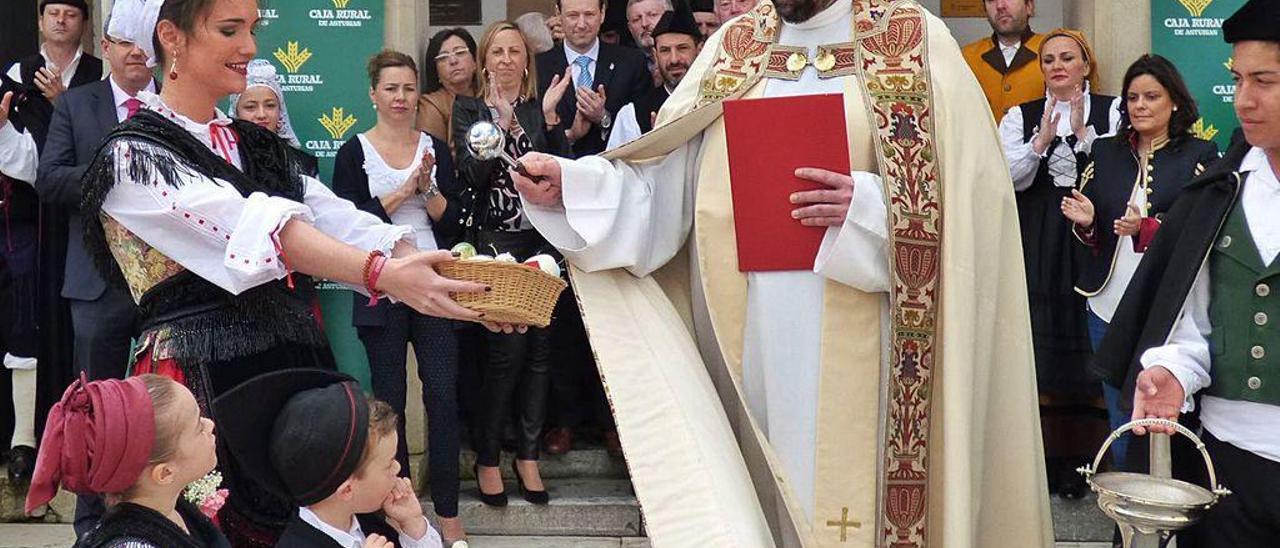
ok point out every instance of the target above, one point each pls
(1130, 183)
(1047, 142)
(141, 441)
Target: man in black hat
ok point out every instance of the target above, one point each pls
(329, 450)
(704, 13)
(35, 235)
(1198, 324)
(676, 43)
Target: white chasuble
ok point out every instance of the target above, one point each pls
(751, 407)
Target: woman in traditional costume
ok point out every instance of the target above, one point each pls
(216, 232)
(1047, 143)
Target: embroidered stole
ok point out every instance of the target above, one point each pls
(892, 68)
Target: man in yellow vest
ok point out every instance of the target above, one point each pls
(1007, 64)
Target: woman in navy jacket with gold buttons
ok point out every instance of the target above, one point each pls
(1133, 178)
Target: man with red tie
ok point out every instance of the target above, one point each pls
(102, 314)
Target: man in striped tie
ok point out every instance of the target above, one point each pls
(607, 77)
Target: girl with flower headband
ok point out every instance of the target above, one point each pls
(216, 230)
(140, 441)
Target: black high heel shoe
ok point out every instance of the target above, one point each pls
(498, 500)
(534, 497)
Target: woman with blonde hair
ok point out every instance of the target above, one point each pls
(1047, 144)
(518, 364)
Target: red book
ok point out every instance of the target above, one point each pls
(768, 140)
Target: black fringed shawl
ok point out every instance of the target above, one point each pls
(127, 522)
(203, 322)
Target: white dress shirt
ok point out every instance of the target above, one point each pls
(1022, 157)
(208, 227)
(1250, 426)
(626, 126)
(1009, 52)
(354, 537)
(68, 72)
(572, 56)
(1105, 302)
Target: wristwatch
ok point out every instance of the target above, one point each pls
(606, 121)
(432, 191)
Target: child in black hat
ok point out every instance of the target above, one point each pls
(332, 452)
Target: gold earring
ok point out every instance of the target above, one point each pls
(173, 68)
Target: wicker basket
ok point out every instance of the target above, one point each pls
(520, 295)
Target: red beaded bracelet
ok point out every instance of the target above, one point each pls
(372, 269)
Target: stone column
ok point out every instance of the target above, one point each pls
(406, 27)
(1120, 32)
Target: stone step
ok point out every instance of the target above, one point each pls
(13, 496)
(1080, 520)
(591, 462)
(497, 541)
(578, 508)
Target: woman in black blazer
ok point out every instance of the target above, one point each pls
(403, 175)
(518, 363)
(1132, 180)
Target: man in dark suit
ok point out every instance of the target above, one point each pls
(606, 77)
(102, 315)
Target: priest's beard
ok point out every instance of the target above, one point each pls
(799, 11)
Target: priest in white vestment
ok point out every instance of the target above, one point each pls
(771, 408)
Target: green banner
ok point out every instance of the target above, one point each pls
(319, 48)
(1189, 34)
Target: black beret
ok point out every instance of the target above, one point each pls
(1256, 20)
(313, 440)
(84, 7)
(681, 20)
(615, 18)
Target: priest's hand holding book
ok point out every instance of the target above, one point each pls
(824, 207)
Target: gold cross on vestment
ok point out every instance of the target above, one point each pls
(844, 524)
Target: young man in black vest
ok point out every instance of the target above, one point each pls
(27, 91)
(676, 43)
(1200, 318)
